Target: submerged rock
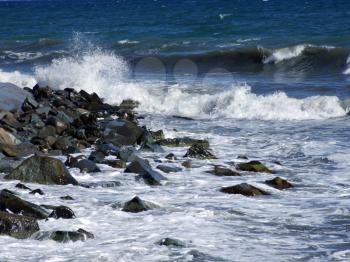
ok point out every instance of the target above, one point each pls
(198, 151)
(223, 171)
(244, 189)
(37, 191)
(66, 198)
(62, 212)
(8, 201)
(279, 183)
(117, 163)
(87, 166)
(97, 156)
(169, 169)
(22, 186)
(64, 236)
(171, 242)
(187, 164)
(17, 226)
(143, 168)
(183, 142)
(42, 170)
(254, 166)
(136, 205)
(171, 156)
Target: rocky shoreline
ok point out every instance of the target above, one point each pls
(43, 125)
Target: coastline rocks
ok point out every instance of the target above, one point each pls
(7, 166)
(17, 226)
(8, 201)
(42, 170)
(279, 183)
(12, 96)
(62, 212)
(223, 171)
(122, 132)
(66, 197)
(137, 205)
(244, 189)
(183, 142)
(143, 168)
(64, 236)
(87, 166)
(254, 166)
(199, 152)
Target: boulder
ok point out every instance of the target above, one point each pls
(103, 184)
(66, 197)
(108, 149)
(117, 163)
(42, 170)
(8, 150)
(62, 212)
(199, 152)
(223, 171)
(37, 191)
(183, 142)
(157, 135)
(143, 168)
(171, 156)
(123, 132)
(278, 183)
(8, 201)
(17, 226)
(87, 166)
(169, 169)
(62, 143)
(171, 242)
(64, 236)
(126, 152)
(97, 157)
(12, 96)
(22, 186)
(136, 205)
(254, 166)
(244, 189)
(148, 143)
(7, 138)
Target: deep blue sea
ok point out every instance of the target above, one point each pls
(269, 79)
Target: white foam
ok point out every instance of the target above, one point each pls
(285, 53)
(127, 42)
(106, 74)
(17, 78)
(347, 70)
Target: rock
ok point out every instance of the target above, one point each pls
(123, 132)
(64, 236)
(115, 163)
(129, 104)
(42, 170)
(148, 143)
(62, 143)
(197, 151)
(136, 205)
(41, 93)
(169, 169)
(25, 149)
(143, 168)
(7, 138)
(47, 131)
(244, 189)
(87, 166)
(8, 150)
(58, 124)
(183, 117)
(7, 166)
(183, 142)
(62, 212)
(279, 183)
(171, 156)
(97, 157)
(67, 198)
(157, 135)
(17, 226)
(254, 166)
(103, 184)
(22, 186)
(36, 121)
(223, 171)
(16, 205)
(73, 161)
(126, 152)
(187, 164)
(242, 157)
(12, 96)
(9, 119)
(37, 191)
(29, 104)
(171, 242)
(108, 149)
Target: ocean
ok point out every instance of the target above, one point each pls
(267, 79)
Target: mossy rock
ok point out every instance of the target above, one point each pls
(254, 166)
(279, 183)
(223, 171)
(183, 142)
(244, 189)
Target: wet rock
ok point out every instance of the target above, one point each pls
(17, 226)
(126, 152)
(87, 166)
(47, 131)
(22, 186)
(103, 184)
(97, 157)
(57, 123)
(171, 242)
(64, 236)
(242, 157)
(7, 166)
(223, 171)
(37, 191)
(36, 121)
(73, 161)
(12, 96)
(171, 156)
(136, 205)
(244, 189)
(199, 152)
(25, 149)
(279, 183)
(115, 163)
(183, 117)
(29, 104)
(254, 166)
(157, 135)
(108, 149)
(67, 198)
(41, 93)
(148, 143)
(16, 205)
(183, 142)
(62, 212)
(129, 104)
(169, 169)
(187, 164)
(7, 138)
(143, 168)
(123, 132)
(9, 119)
(62, 143)
(8, 150)
(42, 170)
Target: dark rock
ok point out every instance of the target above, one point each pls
(143, 168)
(36, 121)
(197, 151)
(29, 104)
(136, 205)
(62, 143)
(37, 191)
(169, 169)
(42, 92)
(58, 124)
(17, 226)
(97, 157)
(223, 171)
(67, 198)
(42, 170)
(103, 184)
(7, 166)
(22, 186)
(126, 152)
(183, 142)
(157, 135)
(73, 161)
(47, 131)
(7, 138)
(171, 242)
(122, 132)
(279, 183)
(183, 117)
(244, 189)
(108, 149)
(25, 149)
(254, 166)
(115, 163)
(187, 164)
(87, 166)
(9, 201)
(148, 143)
(129, 104)
(242, 157)
(62, 212)
(171, 156)
(64, 236)
(8, 150)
